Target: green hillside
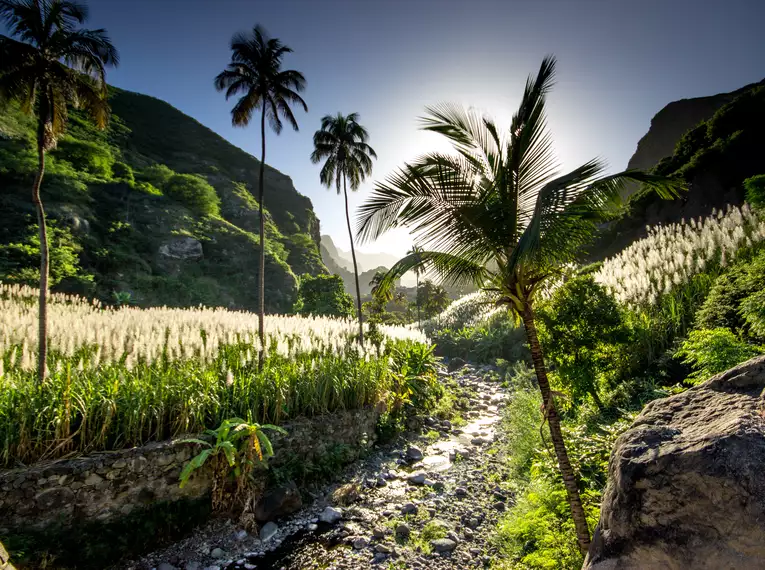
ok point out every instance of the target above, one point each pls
(714, 158)
(157, 206)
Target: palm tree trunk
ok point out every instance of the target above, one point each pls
(417, 300)
(355, 267)
(42, 348)
(569, 478)
(262, 272)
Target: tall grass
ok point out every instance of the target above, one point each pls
(119, 378)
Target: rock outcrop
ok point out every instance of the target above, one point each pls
(687, 481)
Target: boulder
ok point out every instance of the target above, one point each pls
(687, 481)
(181, 247)
(278, 502)
(455, 364)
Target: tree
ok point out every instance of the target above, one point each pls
(255, 72)
(584, 333)
(341, 143)
(48, 64)
(416, 250)
(324, 295)
(497, 213)
(431, 298)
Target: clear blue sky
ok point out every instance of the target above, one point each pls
(619, 63)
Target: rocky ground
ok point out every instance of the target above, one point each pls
(430, 500)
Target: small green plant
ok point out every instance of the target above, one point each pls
(713, 351)
(239, 446)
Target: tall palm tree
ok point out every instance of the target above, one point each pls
(497, 213)
(342, 143)
(255, 73)
(47, 64)
(416, 250)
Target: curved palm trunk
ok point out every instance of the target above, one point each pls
(355, 268)
(42, 348)
(262, 272)
(567, 472)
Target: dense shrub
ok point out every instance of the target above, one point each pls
(583, 331)
(194, 192)
(324, 295)
(711, 351)
(157, 175)
(121, 171)
(499, 337)
(755, 191)
(88, 156)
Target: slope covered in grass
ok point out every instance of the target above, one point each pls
(122, 200)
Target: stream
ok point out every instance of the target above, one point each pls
(429, 500)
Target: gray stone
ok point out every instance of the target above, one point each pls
(408, 508)
(402, 529)
(331, 515)
(181, 247)
(92, 480)
(360, 543)
(686, 484)
(192, 565)
(268, 531)
(460, 491)
(416, 478)
(217, 553)
(166, 566)
(278, 502)
(413, 454)
(379, 532)
(383, 549)
(443, 545)
(455, 364)
(499, 505)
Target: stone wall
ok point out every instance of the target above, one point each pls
(106, 486)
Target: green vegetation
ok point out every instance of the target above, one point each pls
(710, 352)
(193, 192)
(47, 65)
(496, 213)
(341, 143)
(323, 295)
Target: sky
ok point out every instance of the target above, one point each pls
(619, 63)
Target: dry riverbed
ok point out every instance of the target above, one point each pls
(430, 500)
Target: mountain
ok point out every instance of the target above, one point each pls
(365, 261)
(157, 207)
(713, 143)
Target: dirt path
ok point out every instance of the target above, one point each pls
(429, 501)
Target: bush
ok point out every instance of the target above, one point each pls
(584, 332)
(324, 295)
(88, 156)
(713, 351)
(499, 337)
(121, 171)
(194, 192)
(755, 191)
(753, 311)
(157, 175)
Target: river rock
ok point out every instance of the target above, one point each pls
(686, 484)
(331, 515)
(416, 478)
(455, 364)
(278, 502)
(413, 454)
(443, 545)
(268, 531)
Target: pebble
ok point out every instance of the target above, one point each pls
(416, 478)
(268, 531)
(383, 549)
(331, 515)
(408, 508)
(414, 453)
(217, 553)
(360, 543)
(402, 529)
(443, 545)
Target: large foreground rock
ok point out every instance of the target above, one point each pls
(687, 481)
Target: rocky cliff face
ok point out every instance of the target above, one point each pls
(686, 482)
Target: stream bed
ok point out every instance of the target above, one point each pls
(429, 500)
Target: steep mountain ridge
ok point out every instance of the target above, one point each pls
(124, 222)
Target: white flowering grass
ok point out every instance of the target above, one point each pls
(672, 255)
(467, 311)
(121, 377)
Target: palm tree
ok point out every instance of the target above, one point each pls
(416, 250)
(342, 143)
(256, 73)
(497, 213)
(48, 64)
(380, 290)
